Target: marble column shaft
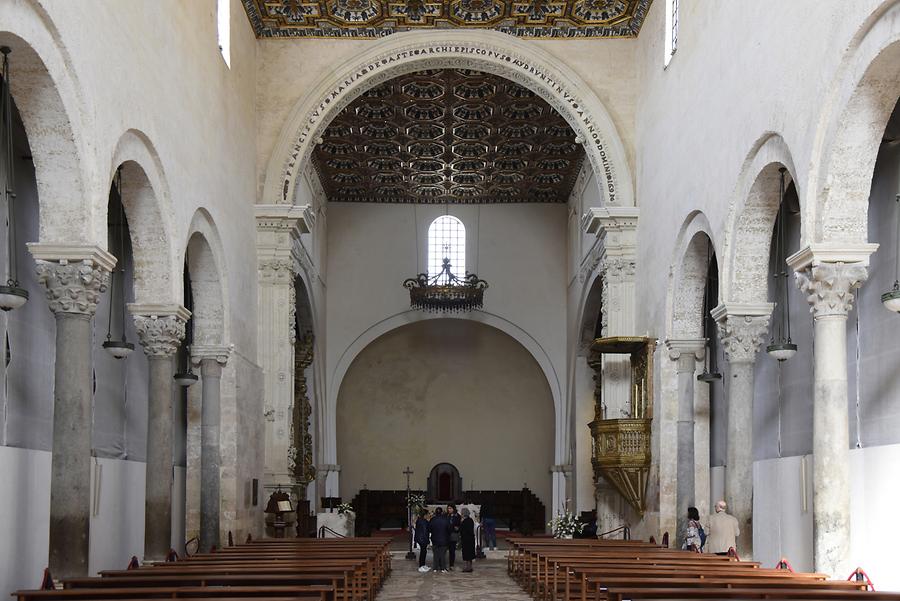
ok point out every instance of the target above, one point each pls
(210, 459)
(73, 290)
(829, 288)
(685, 353)
(160, 336)
(741, 336)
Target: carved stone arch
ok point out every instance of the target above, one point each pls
(851, 125)
(145, 197)
(487, 51)
(591, 312)
(694, 249)
(49, 99)
(205, 263)
(754, 208)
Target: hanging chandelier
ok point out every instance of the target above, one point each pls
(119, 349)
(185, 375)
(12, 296)
(446, 292)
(781, 347)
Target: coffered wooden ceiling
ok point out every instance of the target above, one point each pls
(373, 18)
(448, 136)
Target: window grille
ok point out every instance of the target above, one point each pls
(447, 239)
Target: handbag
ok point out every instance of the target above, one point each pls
(454, 537)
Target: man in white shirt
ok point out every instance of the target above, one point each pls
(723, 530)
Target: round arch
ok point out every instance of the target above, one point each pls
(48, 97)
(487, 51)
(854, 116)
(204, 257)
(752, 214)
(687, 278)
(411, 316)
(145, 196)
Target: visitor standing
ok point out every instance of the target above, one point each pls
(694, 537)
(723, 530)
(439, 528)
(489, 526)
(455, 521)
(421, 539)
(467, 539)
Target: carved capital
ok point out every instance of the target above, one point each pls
(73, 286)
(160, 335)
(217, 353)
(829, 287)
(686, 352)
(277, 271)
(618, 268)
(741, 334)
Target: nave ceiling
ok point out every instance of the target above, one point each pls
(448, 136)
(374, 19)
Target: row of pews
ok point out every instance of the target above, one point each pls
(349, 569)
(619, 570)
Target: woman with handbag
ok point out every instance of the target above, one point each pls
(455, 521)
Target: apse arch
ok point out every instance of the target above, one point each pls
(752, 213)
(49, 99)
(488, 51)
(411, 316)
(442, 390)
(851, 124)
(147, 203)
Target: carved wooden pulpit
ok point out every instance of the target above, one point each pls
(621, 447)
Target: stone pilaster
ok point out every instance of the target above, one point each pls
(685, 354)
(742, 329)
(160, 329)
(74, 277)
(614, 255)
(211, 360)
(278, 230)
(828, 275)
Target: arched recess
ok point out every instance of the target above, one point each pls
(591, 321)
(487, 51)
(208, 281)
(441, 391)
(145, 196)
(48, 97)
(851, 125)
(687, 278)
(411, 316)
(754, 208)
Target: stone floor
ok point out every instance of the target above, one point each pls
(489, 582)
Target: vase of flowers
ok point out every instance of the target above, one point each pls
(566, 524)
(416, 503)
(345, 509)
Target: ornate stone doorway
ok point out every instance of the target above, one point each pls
(444, 483)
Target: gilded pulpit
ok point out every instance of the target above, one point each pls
(620, 448)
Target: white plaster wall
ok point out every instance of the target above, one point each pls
(783, 512)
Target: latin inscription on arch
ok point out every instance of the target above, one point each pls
(569, 105)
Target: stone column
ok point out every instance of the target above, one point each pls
(278, 229)
(742, 328)
(211, 360)
(160, 329)
(829, 278)
(74, 278)
(685, 353)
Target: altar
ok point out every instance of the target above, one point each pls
(335, 525)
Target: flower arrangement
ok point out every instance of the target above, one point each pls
(566, 524)
(416, 503)
(345, 508)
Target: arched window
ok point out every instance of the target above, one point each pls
(447, 240)
(223, 14)
(671, 30)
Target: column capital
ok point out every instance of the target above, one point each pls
(686, 352)
(829, 287)
(290, 219)
(73, 276)
(217, 353)
(160, 328)
(742, 329)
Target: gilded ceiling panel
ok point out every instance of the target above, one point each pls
(448, 136)
(373, 18)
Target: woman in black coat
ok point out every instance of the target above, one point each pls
(467, 539)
